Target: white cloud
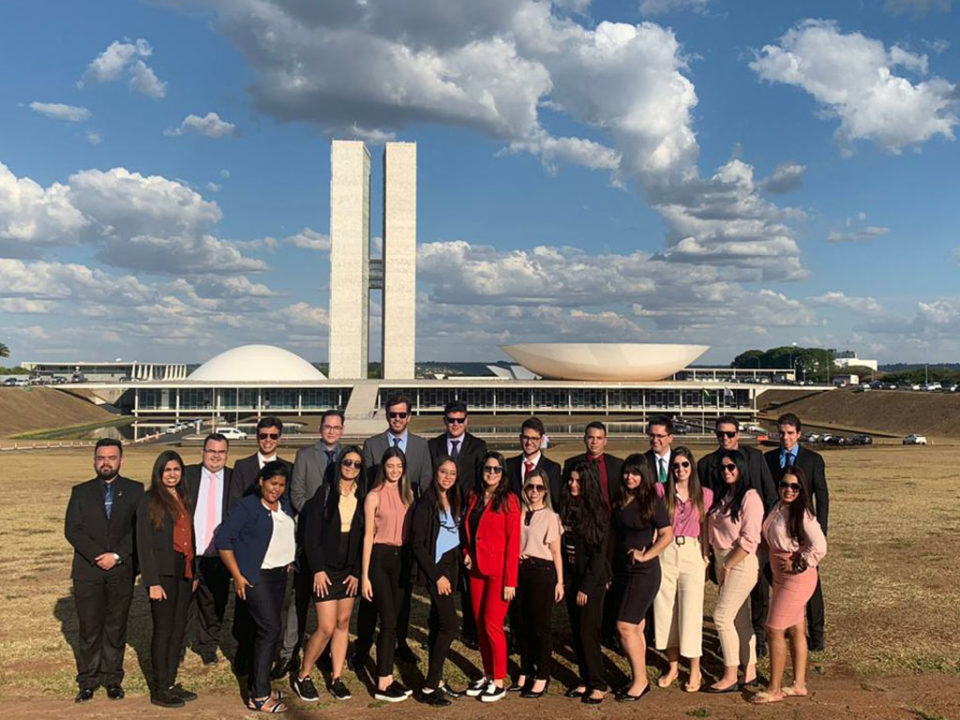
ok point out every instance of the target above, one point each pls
(856, 229)
(224, 173)
(309, 239)
(785, 178)
(210, 125)
(853, 77)
(32, 215)
(916, 7)
(125, 58)
(839, 300)
(24, 305)
(94, 137)
(213, 187)
(659, 7)
(59, 111)
(937, 46)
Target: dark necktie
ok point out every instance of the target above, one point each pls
(328, 470)
(454, 448)
(396, 442)
(108, 499)
(788, 459)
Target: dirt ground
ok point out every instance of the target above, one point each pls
(891, 583)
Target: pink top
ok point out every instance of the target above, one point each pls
(686, 517)
(777, 536)
(724, 533)
(390, 516)
(535, 538)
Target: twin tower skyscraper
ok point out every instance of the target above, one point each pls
(353, 274)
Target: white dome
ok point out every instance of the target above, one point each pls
(616, 362)
(256, 363)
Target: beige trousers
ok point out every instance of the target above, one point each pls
(678, 607)
(732, 612)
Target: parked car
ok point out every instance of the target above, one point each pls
(915, 440)
(232, 433)
(11, 381)
(860, 440)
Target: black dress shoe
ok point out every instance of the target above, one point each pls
(405, 654)
(209, 658)
(574, 693)
(529, 693)
(517, 687)
(182, 693)
(165, 698)
(624, 696)
(115, 692)
(587, 700)
(85, 695)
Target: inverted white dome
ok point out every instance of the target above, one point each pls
(256, 363)
(616, 362)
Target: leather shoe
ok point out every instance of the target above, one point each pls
(167, 699)
(574, 693)
(405, 654)
(280, 669)
(529, 693)
(209, 658)
(85, 695)
(115, 692)
(625, 696)
(181, 692)
(437, 698)
(711, 690)
(587, 700)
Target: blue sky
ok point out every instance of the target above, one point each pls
(733, 174)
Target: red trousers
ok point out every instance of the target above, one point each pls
(490, 610)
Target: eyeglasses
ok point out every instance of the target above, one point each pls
(790, 486)
(682, 464)
(530, 438)
(531, 486)
(352, 463)
(395, 415)
(215, 452)
(272, 436)
(728, 467)
(454, 420)
(331, 427)
(495, 469)
(728, 434)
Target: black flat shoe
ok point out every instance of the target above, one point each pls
(624, 696)
(166, 699)
(575, 693)
(437, 698)
(587, 700)
(183, 693)
(529, 693)
(517, 687)
(711, 690)
(450, 692)
(85, 695)
(115, 692)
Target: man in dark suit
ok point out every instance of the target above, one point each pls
(790, 454)
(101, 526)
(210, 488)
(531, 457)
(660, 433)
(708, 470)
(609, 467)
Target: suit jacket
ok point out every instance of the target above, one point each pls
(231, 494)
(91, 534)
(425, 529)
(469, 459)
(155, 545)
(320, 525)
(812, 465)
(651, 457)
(497, 551)
(247, 531)
(515, 473)
(419, 461)
(245, 473)
(614, 467)
(761, 480)
(309, 469)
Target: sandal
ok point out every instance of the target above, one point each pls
(670, 681)
(792, 691)
(763, 697)
(267, 704)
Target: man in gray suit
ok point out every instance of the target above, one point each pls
(420, 472)
(312, 468)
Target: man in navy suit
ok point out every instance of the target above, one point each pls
(531, 457)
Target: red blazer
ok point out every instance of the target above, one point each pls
(498, 540)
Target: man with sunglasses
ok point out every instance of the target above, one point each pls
(761, 480)
(791, 454)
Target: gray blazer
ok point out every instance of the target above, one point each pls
(308, 470)
(419, 464)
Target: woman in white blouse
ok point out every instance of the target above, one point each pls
(797, 546)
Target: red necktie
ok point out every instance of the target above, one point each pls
(527, 467)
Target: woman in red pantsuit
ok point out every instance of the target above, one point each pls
(491, 529)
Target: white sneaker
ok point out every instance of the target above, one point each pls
(492, 693)
(477, 687)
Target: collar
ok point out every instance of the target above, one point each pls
(402, 437)
(263, 459)
(665, 458)
(533, 459)
(460, 439)
(205, 471)
(793, 451)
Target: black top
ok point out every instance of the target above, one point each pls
(320, 527)
(634, 532)
(474, 521)
(155, 545)
(586, 566)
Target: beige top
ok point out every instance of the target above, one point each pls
(389, 519)
(535, 537)
(348, 507)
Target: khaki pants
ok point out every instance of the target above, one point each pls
(678, 607)
(732, 612)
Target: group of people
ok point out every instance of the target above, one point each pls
(627, 544)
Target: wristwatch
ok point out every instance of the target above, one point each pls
(117, 558)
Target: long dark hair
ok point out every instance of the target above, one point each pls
(799, 507)
(162, 505)
(694, 488)
(406, 492)
(502, 491)
(332, 506)
(453, 494)
(645, 494)
(588, 512)
(737, 490)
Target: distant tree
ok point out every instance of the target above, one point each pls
(4, 350)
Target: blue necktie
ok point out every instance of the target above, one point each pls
(108, 499)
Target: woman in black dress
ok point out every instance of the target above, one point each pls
(642, 530)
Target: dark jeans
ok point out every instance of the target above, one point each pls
(536, 583)
(444, 625)
(265, 603)
(585, 623)
(169, 626)
(295, 619)
(385, 571)
(102, 609)
(212, 595)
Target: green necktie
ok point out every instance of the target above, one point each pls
(663, 470)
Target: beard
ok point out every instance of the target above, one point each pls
(107, 474)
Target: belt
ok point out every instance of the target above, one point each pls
(682, 539)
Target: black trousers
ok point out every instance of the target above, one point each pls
(367, 614)
(760, 603)
(385, 571)
(815, 613)
(212, 595)
(295, 618)
(444, 625)
(585, 623)
(102, 609)
(536, 583)
(169, 626)
(265, 603)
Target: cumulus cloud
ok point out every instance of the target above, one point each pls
(59, 111)
(659, 7)
(125, 59)
(309, 239)
(854, 78)
(836, 299)
(31, 215)
(785, 178)
(210, 125)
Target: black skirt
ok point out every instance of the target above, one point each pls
(338, 573)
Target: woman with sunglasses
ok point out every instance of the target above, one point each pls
(539, 583)
(436, 547)
(384, 515)
(491, 550)
(678, 607)
(333, 543)
(642, 531)
(733, 526)
(797, 545)
(586, 571)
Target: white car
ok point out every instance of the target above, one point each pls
(232, 433)
(915, 440)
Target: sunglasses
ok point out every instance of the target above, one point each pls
(729, 467)
(495, 469)
(682, 464)
(352, 463)
(729, 434)
(272, 436)
(790, 486)
(454, 421)
(395, 415)
(538, 488)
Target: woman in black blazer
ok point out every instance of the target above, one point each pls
(436, 547)
(167, 555)
(332, 522)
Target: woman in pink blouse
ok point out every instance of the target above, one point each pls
(733, 524)
(797, 546)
